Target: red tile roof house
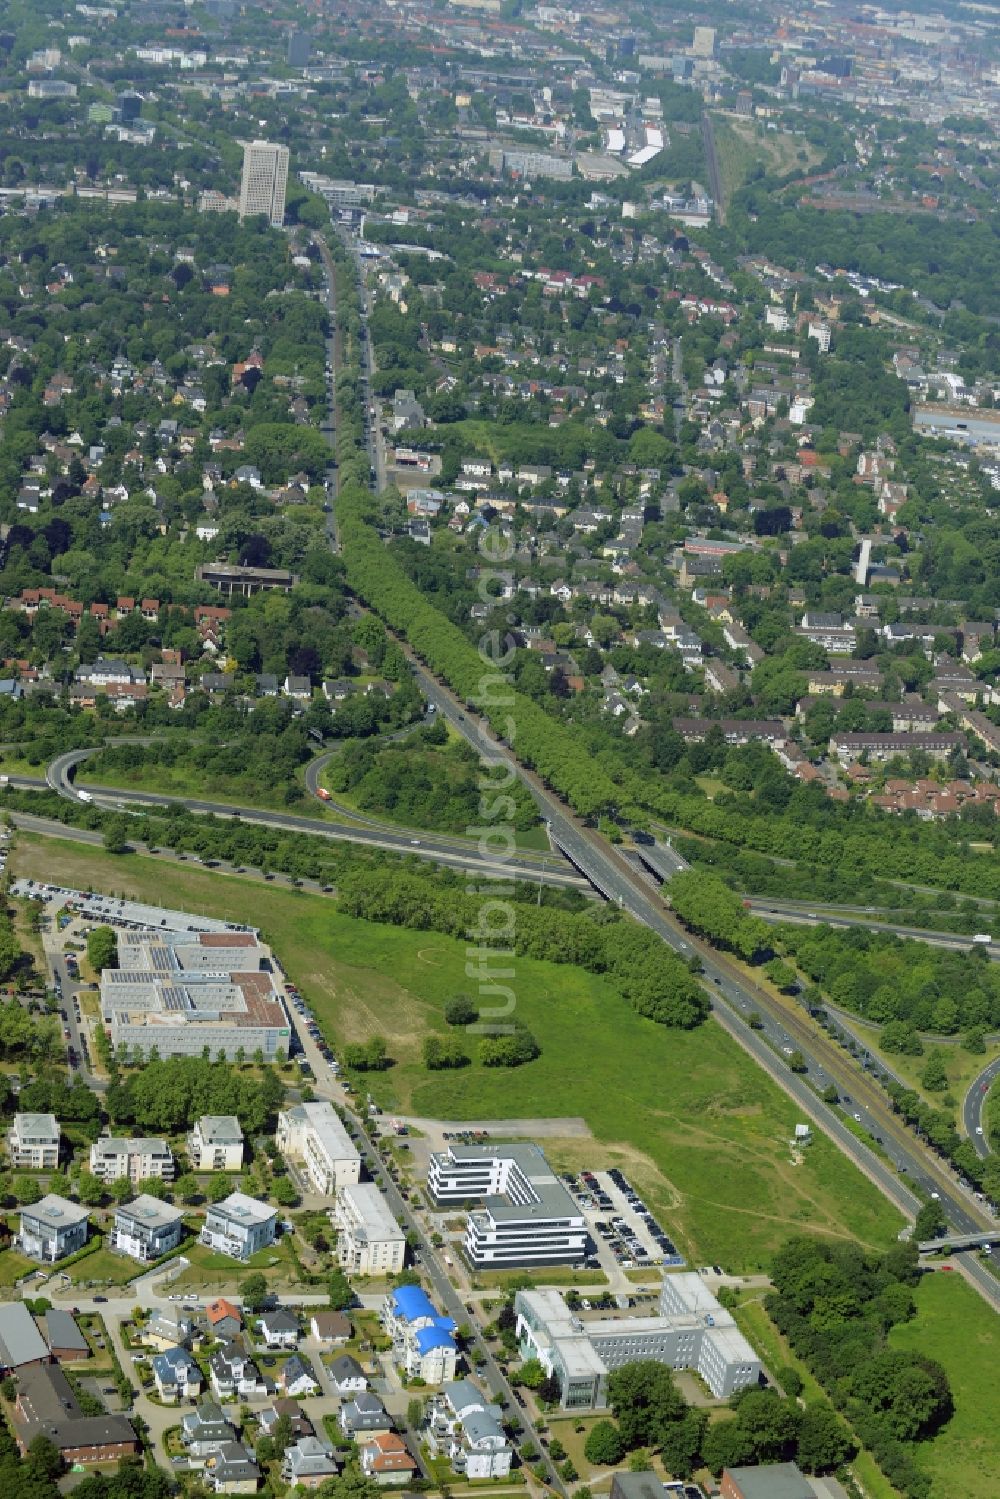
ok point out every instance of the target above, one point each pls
(384, 1457)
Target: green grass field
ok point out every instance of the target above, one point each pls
(954, 1327)
(699, 1127)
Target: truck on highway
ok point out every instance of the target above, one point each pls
(85, 796)
(983, 938)
(322, 793)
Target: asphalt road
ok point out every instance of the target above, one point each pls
(440, 850)
(782, 1030)
(972, 1107)
(774, 911)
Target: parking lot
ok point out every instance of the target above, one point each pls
(124, 913)
(620, 1222)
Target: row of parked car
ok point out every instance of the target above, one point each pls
(309, 1021)
(641, 1211)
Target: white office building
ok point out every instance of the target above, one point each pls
(184, 993)
(313, 1134)
(527, 1216)
(216, 1143)
(33, 1142)
(114, 1156)
(692, 1331)
(369, 1241)
(264, 180)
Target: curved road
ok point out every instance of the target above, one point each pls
(972, 1107)
(541, 870)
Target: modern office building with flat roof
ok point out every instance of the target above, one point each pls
(313, 1134)
(527, 1216)
(692, 1331)
(185, 993)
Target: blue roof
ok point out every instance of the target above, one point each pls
(171, 1361)
(429, 1338)
(412, 1302)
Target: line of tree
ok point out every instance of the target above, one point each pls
(654, 981)
(706, 905)
(169, 1095)
(885, 978)
(766, 1427)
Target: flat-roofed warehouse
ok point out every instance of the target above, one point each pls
(184, 991)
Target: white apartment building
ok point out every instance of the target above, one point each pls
(146, 1229)
(239, 1226)
(313, 1134)
(370, 1241)
(466, 1429)
(140, 1160)
(216, 1143)
(527, 1216)
(33, 1142)
(264, 180)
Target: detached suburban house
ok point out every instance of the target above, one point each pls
(177, 1376)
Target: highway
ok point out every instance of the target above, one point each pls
(535, 868)
(972, 1107)
(775, 911)
(784, 1029)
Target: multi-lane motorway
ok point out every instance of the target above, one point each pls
(451, 852)
(734, 997)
